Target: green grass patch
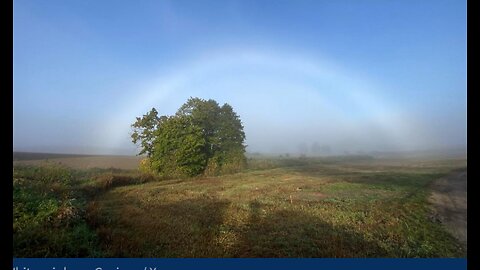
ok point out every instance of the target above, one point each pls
(50, 205)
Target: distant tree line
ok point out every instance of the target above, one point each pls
(201, 138)
(316, 149)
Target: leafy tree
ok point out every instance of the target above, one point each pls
(201, 137)
(205, 114)
(144, 129)
(227, 141)
(178, 148)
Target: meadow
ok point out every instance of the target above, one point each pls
(355, 206)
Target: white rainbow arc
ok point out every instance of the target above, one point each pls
(214, 71)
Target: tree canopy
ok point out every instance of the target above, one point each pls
(201, 138)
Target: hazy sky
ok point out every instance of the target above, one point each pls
(353, 75)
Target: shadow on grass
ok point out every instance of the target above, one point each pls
(197, 228)
(184, 229)
(288, 233)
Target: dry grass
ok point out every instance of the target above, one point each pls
(318, 209)
(87, 162)
(279, 208)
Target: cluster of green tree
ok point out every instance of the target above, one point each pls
(201, 138)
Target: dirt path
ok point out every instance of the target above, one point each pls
(449, 200)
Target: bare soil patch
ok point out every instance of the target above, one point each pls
(449, 201)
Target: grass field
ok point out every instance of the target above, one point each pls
(77, 161)
(323, 207)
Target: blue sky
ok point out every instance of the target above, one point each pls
(353, 75)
